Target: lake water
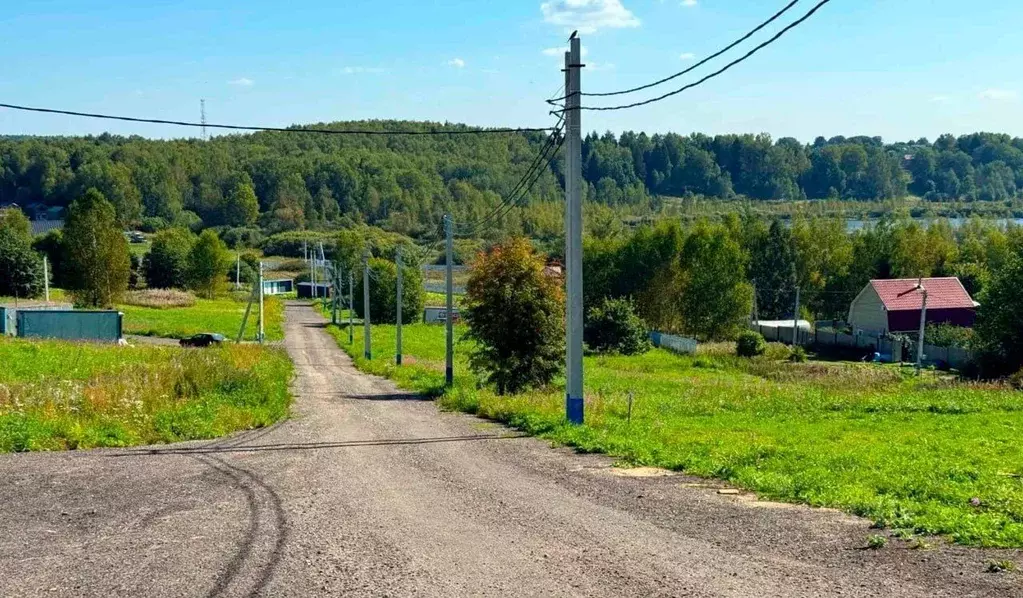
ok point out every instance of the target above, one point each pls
(854, 224)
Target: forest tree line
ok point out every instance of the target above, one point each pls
(256, 184)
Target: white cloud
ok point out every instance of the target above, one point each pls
(588, 15)
(458, 63)
(242, 81)
(561, 51)
(939, 99)
(358, 70)
(689, 3)
(998, 94)
(687, 56)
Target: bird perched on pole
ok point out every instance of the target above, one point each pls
(574, 33)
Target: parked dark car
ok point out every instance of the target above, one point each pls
(204, 339)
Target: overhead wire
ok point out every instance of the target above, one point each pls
(181, 123)
(735, 43)
(512, 199)
(539, 160)
(728, 66)
(536, 178)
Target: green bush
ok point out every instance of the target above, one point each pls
(516, 318)
(750, 344)
(383, 295)
(614, 327)
(797, 355)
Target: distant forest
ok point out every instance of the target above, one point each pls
(271, 182)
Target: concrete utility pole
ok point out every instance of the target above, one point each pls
(321, 264)
(261, 332)
(923, 326)
(312, 275)
(449, 251)
(573, 234)
(336, 283)
(351, 307)
(367, 345)
(397, 354)
(46, 278)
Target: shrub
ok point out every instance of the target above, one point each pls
(383, 294)
(797, 355)
(242, 237)
(948, 335)
(750, 344)
(515, 313)
(290, 244)
(1016, 380)
(613, 326)
(153, 224)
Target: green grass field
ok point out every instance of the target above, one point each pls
(56, 395)
(222, 315)
(907, 453)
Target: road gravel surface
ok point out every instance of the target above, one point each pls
(369, 491)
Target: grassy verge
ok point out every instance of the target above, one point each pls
(223, 315)
(932, 456)
(56, 395)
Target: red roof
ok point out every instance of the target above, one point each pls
(942, 293)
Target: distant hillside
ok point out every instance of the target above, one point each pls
(281, 181)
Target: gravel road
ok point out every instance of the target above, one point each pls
(368, 491)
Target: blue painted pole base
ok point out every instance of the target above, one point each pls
(574, 410)
(397, 359)
(449, 376)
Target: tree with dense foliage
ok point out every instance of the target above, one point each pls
(383, 293)
(166, 265)
(999, 327)
(241, 208)
(516, 316)
(715, 298)
(96, 256)
(14, 222)
(614, 327)
(406, 184)
(207, 264)
(21, 269)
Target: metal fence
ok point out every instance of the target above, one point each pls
(676, 344)
(895, 350)
(104, 326)
(9, 315)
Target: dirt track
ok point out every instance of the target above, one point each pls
(368, 491)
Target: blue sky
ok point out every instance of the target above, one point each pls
(897, 68)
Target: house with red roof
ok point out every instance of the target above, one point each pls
(886, 306)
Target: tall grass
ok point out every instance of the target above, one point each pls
(121, 396)
(905, 452)
(159, 298)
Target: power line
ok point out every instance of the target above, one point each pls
(536, 168)
(181, 123)
(695, 66)
(746, 56)
(537, 162)
(513, 204)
